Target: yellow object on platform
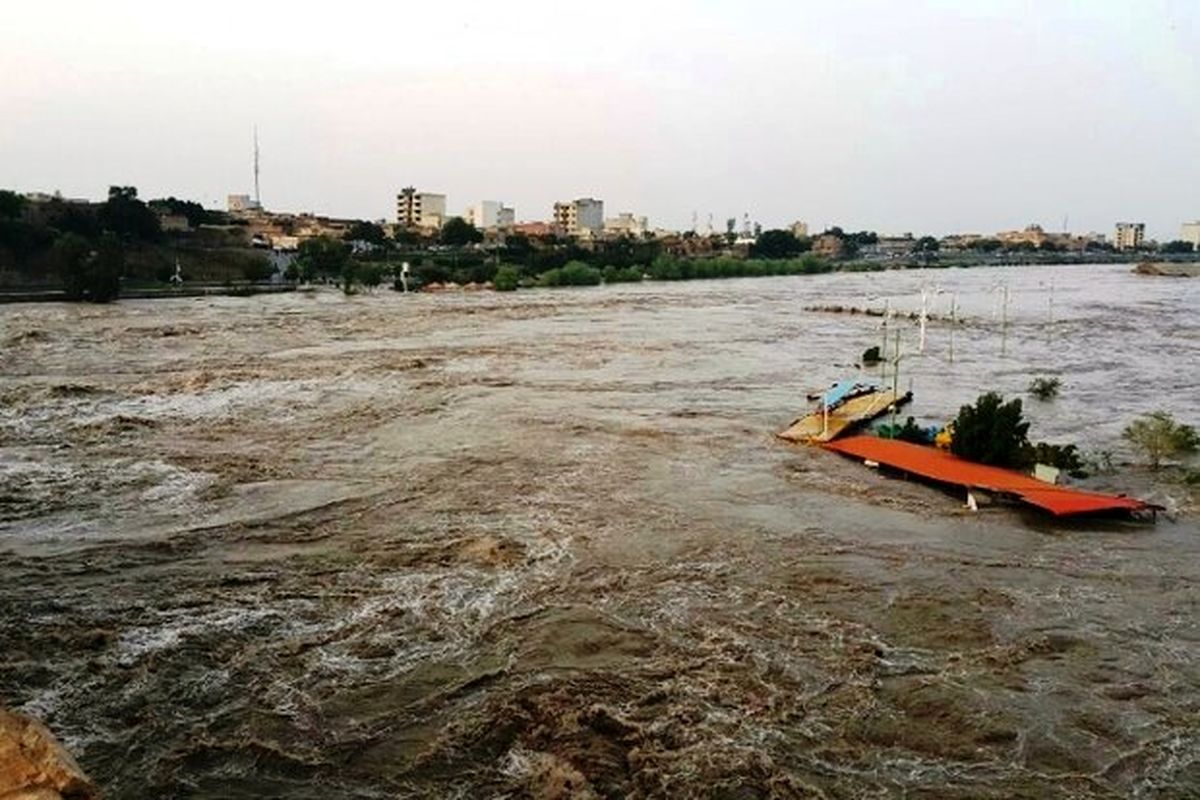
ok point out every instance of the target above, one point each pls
(856, 410)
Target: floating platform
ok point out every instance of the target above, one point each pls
(942, 467)
(812, 428)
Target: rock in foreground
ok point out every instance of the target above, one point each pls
(34, 766)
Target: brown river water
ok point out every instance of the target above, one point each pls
(546, 545)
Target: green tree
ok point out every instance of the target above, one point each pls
(128, 217)
(87, 274)
(322, 257)
(369, 232)
(926, 244)
(1158, 436)
(1177, 246)
(257, 268)
(371, 275)
(507, 279)
(991, 432)
(987, 245)
(458, 232)
(776, 244)
(11, 204)
(71, 255)
(108, 265)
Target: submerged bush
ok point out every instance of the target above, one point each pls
(1158, 436)
(871, 356)
(991, 432)
(573, 273)
(507, 279)
(1045, 388)
(614, 274)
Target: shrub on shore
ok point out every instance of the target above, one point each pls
(573, 273)
(614, 274)
(507, 279)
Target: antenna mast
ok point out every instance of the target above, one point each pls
(257, 197)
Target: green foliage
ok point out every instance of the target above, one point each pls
(926, 244)
(104, 283)
(127, 217)
(71, 254)
(368, 232)
(1064, 456)
(458, 232)
(1177, 246)
(350, 276)
(910, 431)
(573, 273)
(371, 275)
(87, 274)
(12, 205)
(991, 432)
(507, 279)
(321, 257)
(1158, 437)
(871, 356)
(257, 269)
(987, 245)
(615, 274)
(777, 244)
(196, 214)
(1045, 389)
(669, 268)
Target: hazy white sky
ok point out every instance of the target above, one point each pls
(975, 115)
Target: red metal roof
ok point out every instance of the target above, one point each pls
(938, 465)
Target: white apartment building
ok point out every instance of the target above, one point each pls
(420, 209)
(491, 215)
(584, 214)
(1129, 235)
(1190, 232)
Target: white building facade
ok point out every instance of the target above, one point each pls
(420, 209)
(577, 216)
(1129, 235)
(1190, 232)
(491, 215)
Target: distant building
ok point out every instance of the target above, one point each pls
(577, 216)
(242, 203)
(43, 197)
(1032, 234)
(536, 229)
(799, 229)
(829, 246)
(1129, 235)
(174, 223)
(1190, 232)
(420, 209)
(626, 224)
(889, 248)
(491, 215)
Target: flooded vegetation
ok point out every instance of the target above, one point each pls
(545, 544)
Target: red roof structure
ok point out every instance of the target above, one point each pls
(938, 465)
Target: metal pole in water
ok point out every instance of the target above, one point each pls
(953, 322)
(924, 318)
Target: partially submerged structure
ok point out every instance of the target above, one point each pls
(941, 467)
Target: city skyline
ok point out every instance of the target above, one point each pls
(927, 119)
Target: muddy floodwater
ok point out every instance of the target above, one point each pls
(545, 545)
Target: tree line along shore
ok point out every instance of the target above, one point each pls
(62, 249)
